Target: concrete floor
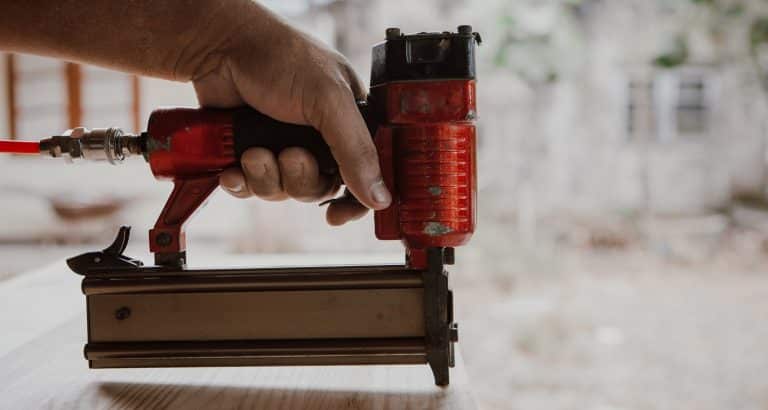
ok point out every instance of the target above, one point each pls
(678, 341)
(579, 328)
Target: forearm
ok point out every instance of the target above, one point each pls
(237, 53)
(177, 40)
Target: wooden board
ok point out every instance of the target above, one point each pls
(49, 371)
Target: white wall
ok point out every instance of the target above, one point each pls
(159, 93)
(543, 148)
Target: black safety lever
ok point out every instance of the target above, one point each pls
(110, 258)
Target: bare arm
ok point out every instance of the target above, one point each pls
(236, 52)
(168, 39)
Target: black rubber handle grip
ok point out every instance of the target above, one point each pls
(254, 129)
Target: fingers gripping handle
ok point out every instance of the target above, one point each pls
(253, 129)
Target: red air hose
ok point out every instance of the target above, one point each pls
(20, 147)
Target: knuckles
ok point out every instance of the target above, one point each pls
(294, 173)
(258, 162)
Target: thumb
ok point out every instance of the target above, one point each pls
(336, 116)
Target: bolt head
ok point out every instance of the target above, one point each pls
(164, 239)
(122, 313)
(392, 33)
(465, 29)
(453, 333)
(449, 256)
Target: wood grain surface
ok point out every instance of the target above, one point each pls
(49, 371)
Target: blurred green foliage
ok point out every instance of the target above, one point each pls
(537, 56)
(677, 56)
(719, 14)
(533, 56)
(758, 33)
(749, 13)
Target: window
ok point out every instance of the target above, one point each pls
(673, 105)
(47, 96)
(691, 107)
(640, 109)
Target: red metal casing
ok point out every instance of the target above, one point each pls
(189, 142)
(426, 146)
(191, 147)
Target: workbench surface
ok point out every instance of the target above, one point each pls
(42, 366)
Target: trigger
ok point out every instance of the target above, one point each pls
(345, 197)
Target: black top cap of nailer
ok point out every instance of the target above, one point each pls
(425, 56)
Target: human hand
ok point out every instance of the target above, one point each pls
(292, 77)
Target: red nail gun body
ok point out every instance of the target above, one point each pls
(424, 130)
(427, 155)
(421, 112)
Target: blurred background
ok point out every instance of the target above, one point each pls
(620, 257)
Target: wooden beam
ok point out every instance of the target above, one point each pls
(74, 95)
(10, 87)
(136, 103)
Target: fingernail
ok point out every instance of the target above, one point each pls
(380, 193)
(236, 189)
